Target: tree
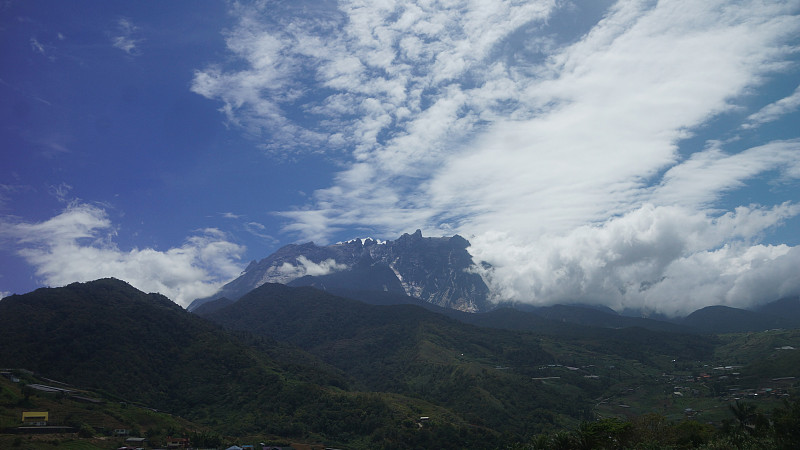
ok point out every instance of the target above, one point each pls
(744, 415)
(786, 423)
(603, 434)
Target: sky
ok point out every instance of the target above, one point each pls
(637, 154)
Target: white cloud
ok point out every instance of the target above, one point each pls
(7, 189)
(385, 61)
(775, 110)
(77, 245)
(661, 258)
(733, 275)
(567, 163)
(37, 46)
(125, 37)
(259, 230)
(60, 192)
(307, 267)
(706, 175)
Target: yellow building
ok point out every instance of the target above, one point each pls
(35, 417)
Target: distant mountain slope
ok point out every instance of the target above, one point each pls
(408, 350)
(605, 318)
(479, 372)
(436, 270)
(724, 319)
(364, 275)
(212, 305)
(543, 319)
(786, 308)
(784, 313)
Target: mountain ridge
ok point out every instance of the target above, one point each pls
(438, 270)
(144, 349)
(302, 363)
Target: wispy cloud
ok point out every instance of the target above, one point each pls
(550, 157)
(6, 190)
(78, 245)
(773, 111)
(60, 192)
(37, 46)
(126, 36)
(259, 230)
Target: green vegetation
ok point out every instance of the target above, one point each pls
(298, 365)
(746, 428)
(95, 420)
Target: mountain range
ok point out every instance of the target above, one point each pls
(437, 270)
(362, 339)
(439, 274)
(360, 371)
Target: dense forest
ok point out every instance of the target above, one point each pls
(295, 364)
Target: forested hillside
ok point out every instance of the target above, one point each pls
(142, 348)
(286, 364)
(489, 376)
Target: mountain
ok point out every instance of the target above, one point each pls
(483, 374)
(786, 308)
(410, 351)
(563, 319)
(296, 364)
(439, 270)
(105, 333)
(144, 349)
(604, 317)
(724, 319)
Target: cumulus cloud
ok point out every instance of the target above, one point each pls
(77, 245)
(565, 156)
(666, 259)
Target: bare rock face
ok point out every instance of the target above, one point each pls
(438, 270)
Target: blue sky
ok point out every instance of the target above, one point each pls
(638, 154)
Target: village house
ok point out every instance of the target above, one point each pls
(177, 442)
(35, 418)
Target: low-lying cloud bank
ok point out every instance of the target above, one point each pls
(663, 259)
(78, 245)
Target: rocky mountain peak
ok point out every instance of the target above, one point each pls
(438, 270)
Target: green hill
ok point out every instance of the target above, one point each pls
(145, 350)
(295, 364)
(488, 376)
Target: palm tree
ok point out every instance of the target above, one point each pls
(745, 415)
